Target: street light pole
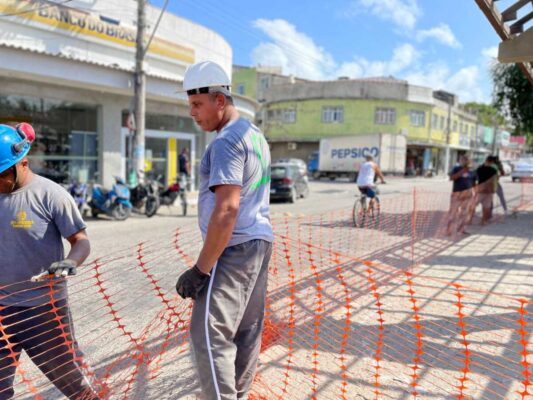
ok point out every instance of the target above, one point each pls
(139, 91)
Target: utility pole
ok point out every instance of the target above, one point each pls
(494, 137)
(448, 136)
(140, 91)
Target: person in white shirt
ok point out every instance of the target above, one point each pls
(366, 176)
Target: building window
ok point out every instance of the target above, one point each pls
(289, 116)
(332, 115)
(434, 121)
(284, 115)
(442, 123)
(264, 82)
(273, 115)
(418, 118)
(67, 142)
(241, 89)
(454, 126)
(385, 116)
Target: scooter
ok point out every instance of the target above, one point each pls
(145, 197)
(78, 191)
(168, 196)
(115, 202)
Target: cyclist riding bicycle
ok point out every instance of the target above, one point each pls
(366, 176)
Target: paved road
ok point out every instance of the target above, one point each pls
(324, 196)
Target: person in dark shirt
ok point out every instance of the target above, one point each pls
(487, 177)
(462, 195)
(183, 161)
(184, 169)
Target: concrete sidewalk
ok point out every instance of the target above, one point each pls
(447, 328)
(496, 258)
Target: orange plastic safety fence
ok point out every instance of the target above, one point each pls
(398, 307)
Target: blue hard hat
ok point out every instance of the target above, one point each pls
(15, 144)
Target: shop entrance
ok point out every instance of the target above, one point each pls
(162, 150)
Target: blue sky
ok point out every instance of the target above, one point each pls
(444, 44)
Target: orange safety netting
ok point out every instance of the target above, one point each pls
(351, 313)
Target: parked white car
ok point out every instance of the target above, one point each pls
(523, 169)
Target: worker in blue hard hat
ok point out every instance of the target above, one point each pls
(35, 214)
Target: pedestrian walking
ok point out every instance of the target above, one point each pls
(229, 280)
(499, 190)
(462, 196)
(487, 177)
(35, 214)
(184, 169)
(184, 163)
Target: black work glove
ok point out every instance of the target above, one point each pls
(60, 269)
(191, 283)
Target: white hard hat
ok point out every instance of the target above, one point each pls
(206, 77)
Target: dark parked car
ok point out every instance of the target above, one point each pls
(288, 182)
(300, 163)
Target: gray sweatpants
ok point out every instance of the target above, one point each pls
(227, 321)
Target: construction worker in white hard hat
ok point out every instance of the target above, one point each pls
(229, 280)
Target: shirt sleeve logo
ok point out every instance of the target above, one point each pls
(260, 145)
(22, 222)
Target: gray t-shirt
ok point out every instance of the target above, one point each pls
(33, 219)
(239, 155)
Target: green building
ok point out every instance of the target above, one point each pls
(296, 114)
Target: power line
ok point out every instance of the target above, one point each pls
(228, 18)
(232, 21)
(30, 9)
(156, 26)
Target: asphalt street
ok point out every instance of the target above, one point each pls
(324, 196)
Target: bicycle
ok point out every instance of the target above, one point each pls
(366, 211)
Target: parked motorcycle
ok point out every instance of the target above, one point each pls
(145, 197)
(167, 196)
(114, 202)
(79, 193)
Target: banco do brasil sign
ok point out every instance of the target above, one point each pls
(87, 24)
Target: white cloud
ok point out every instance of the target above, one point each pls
(402, 57)
(296, 52)
(350, 69)
(299, 55)
(433, 75)
(442, 33)
(403, 13)
(490, 52)
(466, 83)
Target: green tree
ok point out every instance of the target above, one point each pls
(487, 114)
(513, 97)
